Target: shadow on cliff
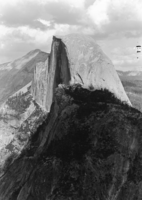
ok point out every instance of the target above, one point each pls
(89, 147)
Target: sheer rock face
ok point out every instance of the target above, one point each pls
(51, 73)
(77, 59)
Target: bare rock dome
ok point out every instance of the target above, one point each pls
(76, 59)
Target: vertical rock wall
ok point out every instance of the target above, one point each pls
(49, 74)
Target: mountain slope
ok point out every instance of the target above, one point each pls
(89, 147)
(20, 116)
(17, 74)
(19, 113)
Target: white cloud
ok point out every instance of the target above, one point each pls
(98, 12)
(29, 24)
(44, 22)
(103, 12)
(2, 45)
(4, 31)
(129, 8)
(72, 3)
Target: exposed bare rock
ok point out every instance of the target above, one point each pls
(75, 59)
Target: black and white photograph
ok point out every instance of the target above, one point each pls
(70, 100)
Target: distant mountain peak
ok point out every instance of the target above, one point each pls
(16, 74)
(33, 52)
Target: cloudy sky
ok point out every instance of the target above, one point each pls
(116, 25)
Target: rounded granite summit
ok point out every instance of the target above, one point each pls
(77, 59)
(90, 67)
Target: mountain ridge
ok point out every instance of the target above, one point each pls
(19, 73)
(18, 110)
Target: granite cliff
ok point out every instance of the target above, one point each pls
(89, 145)
(75, 59)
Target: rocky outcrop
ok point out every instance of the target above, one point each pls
(76, 59)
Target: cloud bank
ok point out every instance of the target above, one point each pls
(115, 24)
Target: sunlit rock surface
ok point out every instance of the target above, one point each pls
(90, 67)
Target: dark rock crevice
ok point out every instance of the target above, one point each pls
(62, 73)
(58, 70)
